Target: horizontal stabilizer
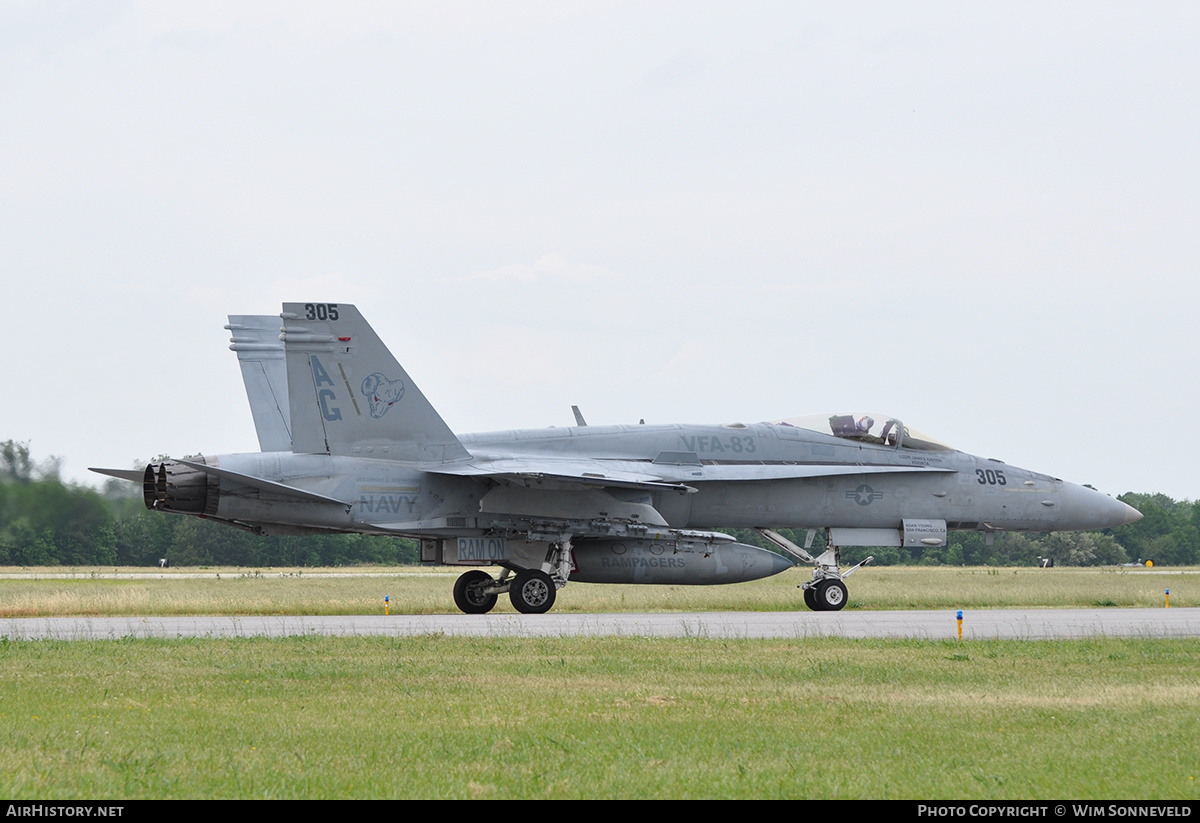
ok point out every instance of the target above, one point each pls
(136, 475)
(261, 484)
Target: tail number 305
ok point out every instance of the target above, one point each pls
(320, 311)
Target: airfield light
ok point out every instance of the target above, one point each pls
(387, 604)
(1168, 598)
(960, 624)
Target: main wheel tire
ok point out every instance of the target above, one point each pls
(810, 598)
(532, 592)
(469, 593)
(831, 595)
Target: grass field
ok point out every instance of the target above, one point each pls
(447, 717)
(416, 590)
(609, 717)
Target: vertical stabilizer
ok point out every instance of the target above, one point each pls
(348, 395)
(256, 340)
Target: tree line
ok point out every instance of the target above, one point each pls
(47, 522)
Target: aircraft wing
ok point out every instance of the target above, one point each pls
(583, 473)
(656, 476)
(787, 471)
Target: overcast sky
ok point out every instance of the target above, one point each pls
(980, 218)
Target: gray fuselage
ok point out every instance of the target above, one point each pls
(739, 474)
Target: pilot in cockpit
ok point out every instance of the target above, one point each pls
(846, 425)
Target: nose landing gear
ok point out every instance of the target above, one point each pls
(825, 592)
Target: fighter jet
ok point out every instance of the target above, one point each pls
(350, 444)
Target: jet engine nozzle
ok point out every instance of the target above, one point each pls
(171, 486)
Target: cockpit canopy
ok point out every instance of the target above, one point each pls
(879, 429)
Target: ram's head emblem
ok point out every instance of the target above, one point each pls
(382, 393)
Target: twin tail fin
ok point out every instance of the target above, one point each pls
(347, 394)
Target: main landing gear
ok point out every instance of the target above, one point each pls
(532, 591)
(825, 592)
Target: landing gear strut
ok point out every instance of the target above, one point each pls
(825, 592)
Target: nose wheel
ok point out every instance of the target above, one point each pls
(830, 595)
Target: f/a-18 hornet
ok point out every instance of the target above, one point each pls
(350, 444)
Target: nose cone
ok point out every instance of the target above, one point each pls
(1132, 515)
(1084, 509)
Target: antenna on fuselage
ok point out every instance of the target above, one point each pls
(579, 421)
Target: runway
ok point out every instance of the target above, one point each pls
(1010, 624)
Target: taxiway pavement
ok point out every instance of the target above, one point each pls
(1013, 624)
